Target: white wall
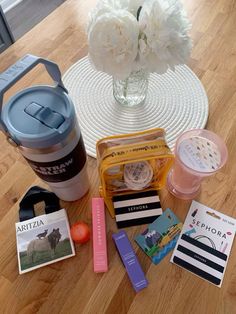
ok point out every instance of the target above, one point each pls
(8, 4)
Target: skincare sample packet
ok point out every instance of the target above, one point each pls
(204, 245)
(160, 237)
(43, 240)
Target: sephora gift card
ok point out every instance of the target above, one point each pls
(205, 243)
(136, 208)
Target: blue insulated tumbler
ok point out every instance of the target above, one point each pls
(41, 122)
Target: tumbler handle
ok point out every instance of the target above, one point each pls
(15, 72)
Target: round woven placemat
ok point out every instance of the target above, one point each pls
(176, 101)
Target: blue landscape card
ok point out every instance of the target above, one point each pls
(161, 236)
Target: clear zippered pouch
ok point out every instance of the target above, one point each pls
(132, 162)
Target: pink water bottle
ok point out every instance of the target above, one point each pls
(198, 154)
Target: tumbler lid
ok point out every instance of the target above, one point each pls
(39, 116)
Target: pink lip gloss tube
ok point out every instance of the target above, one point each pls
(100, 264)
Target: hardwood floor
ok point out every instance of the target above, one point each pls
(71, 286)
(29, 13)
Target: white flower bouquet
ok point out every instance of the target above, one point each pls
(131, 35)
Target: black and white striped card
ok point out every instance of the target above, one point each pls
(136, 208)
(205, 242)
(200, 259)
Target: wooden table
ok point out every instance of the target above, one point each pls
(71, 286)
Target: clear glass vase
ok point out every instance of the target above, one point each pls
(133, 90)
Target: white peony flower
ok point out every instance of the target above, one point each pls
(106, 6)
(101, 8)
(129, 35)
(113, 42)
(164, 40)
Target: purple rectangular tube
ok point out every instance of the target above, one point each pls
(131, 263)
